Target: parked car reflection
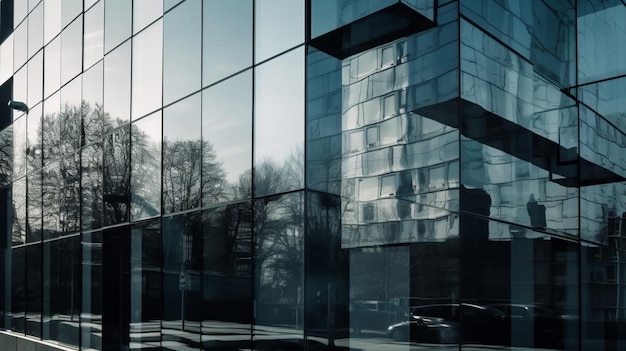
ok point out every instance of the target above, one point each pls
(440, 324)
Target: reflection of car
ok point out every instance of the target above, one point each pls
(368, 315)
(440, 324)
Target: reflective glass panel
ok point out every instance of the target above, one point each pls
(20, 45)
(184, 156)
(182, 51)
(6, 155)
(34, 230)
(51, 128)
(145, 282)
(182, 278)
(147, 70)
(279, 25)
(118, 16)
(95, 121)
(145, 12)
(146, 167)
(278, 271)
(52, 67)
(279, 124)
(227, 275)
(116, 176)
(91, 186)
(18, 289)
(599, 29)
(35, 30)
(19, 147)
(117, 85)
(33, 290)
(69, 10)
(19, 211)
(52, 19)
(34, 151)
(227, 136)
(224, 55)
(91, 294)
(6, 57)
(72, 50)
(94, 34)
(70, 118)
(69, 293)
(35, 80)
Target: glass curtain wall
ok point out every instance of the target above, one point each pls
(313, 175)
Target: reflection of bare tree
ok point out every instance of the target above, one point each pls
(6, 155)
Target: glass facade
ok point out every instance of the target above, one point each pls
(312, 175)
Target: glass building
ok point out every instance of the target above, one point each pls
(312, 175)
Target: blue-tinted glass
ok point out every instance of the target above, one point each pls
(223, 55)
(278, 26)
(600, 32)
(147, 70)
(182, 51)
(227, 137)
(279, 124)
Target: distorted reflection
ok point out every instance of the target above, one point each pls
(6, 155)
(91, 186)
(18, 193)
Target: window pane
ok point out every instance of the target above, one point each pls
(184, 155)
(91, 186)
(278, 270)
(34, 149)
(52, 19)
(33, 290)
(117, 22)
(20, 47)
(19, 147)
(147, 70)
(145, 12)
(51, 128)
(72, 50)
(116, 176)
(69, 294)
(117, 85)
(227, 273)
(69, 10)
(146, 167)
(35, 206)
(35, 80)
(224, 55)
(91, 305)
(279, 124)
(35, 30)
(274, 19)
(94, 34)
(52, 71)
(182, 272)
(6, 155)
(95, 122)
(182, 51)
(19, 211)
(18, 289)
(227, 137)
